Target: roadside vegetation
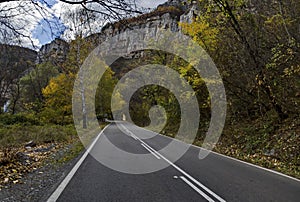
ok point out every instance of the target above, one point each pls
(40, 124)
(26, 144)
(39, 128)
(256, 49)
(255, 45)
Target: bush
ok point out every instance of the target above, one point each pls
(16, 135)
(19, 119)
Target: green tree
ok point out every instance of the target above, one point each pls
(32, 84)
(104, 95)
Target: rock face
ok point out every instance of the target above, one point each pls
(167, 16)
(126, 42)
(55, 52)
(191, 13)
(182, 4)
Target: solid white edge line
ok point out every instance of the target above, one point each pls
(186, 174)
(153, 150)
(138, 138)
(196, 189)
(150, 151)
(232, 158)
(146, 145)
(55, 195)
(134, 137)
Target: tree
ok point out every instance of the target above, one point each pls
(58, 99)
(79, 50)
(58, 92)
(32, 84)
(104, 95)
(14, 63)
(252, 36)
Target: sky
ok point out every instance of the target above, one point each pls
(60, 23)
(42, 31)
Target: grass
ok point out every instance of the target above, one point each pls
(76, 147)
(61, 142)
(17, 135)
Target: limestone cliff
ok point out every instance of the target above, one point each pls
(166, 16)
(55, 52)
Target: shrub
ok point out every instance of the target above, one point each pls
(16, 135)
(160, 11)
(20, 119)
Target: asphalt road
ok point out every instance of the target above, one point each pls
(215, 178)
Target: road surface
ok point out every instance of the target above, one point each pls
(215, 178)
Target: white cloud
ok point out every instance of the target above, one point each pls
(149, 3)
(23, 16)
(67, 13)
(76, 23)
(27, 15)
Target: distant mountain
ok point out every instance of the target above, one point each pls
(15, 58)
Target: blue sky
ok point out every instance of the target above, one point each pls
(44, 34)
(50, 3)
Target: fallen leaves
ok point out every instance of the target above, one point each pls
(278, 149)
(15, 162)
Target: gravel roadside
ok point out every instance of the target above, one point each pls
(39, 184)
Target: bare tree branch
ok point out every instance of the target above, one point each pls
(13, 28)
